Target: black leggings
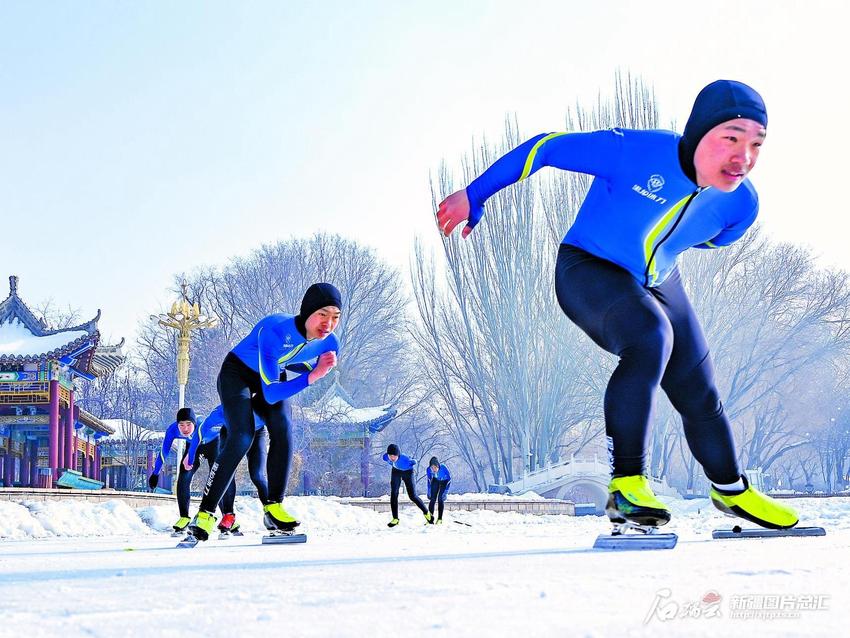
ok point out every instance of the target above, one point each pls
(395, 481)
(660, 343)
(257, 460)
(439, 489)
(237, 384)
(210, 452)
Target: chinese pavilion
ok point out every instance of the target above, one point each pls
(341, 435)
(42, 432)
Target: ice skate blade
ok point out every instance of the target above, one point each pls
(758, 532)
(283, 538)
(631, 536)
(189, 542)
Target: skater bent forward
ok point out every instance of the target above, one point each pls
(654, 195)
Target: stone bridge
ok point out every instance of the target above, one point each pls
(577, 480)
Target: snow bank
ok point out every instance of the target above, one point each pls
(43, 519)
(329, 516)
(476, 496)
(322, 516)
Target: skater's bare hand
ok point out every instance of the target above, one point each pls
(327, 361)
(186, 465)
(454, 210)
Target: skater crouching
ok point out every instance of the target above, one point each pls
(185, 428)
(439, 480)
(402, 472)
(654, 195)
(249, 382)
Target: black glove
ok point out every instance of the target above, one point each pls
(153, 481)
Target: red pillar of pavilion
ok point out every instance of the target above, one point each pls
(63, 418)
(9, 469)
(25, 465)
(364, 463)
(86, 469)
(72, 433)
(68, 433)
(34, 464)
(53, 444)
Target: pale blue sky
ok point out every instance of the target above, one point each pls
(140, 139)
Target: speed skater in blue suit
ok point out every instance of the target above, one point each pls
(654, 195)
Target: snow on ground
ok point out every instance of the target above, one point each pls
(104, 569)
(476, 496)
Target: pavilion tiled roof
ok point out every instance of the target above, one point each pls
(24, 338)
(335, 406)
(87, 418)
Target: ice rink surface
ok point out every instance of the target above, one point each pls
(76, 569)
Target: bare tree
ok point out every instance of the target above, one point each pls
(773, 321)
(516, 384)
(374, 364)
(55, 317)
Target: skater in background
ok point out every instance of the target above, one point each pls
(402, 471)
(439, 480)
(185, 428)
(251, 371)
(654, 195)
(213, 430)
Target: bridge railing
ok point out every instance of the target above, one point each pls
(573, 467)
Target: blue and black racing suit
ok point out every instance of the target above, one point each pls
(616, 278)
(209, 450)
(250, 382)
(438, 488)
(214, 430)
(402, 472)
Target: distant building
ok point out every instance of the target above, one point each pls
(128, 456)
(42, 431)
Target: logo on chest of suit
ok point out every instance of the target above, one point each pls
(287, 341)
(654, 184)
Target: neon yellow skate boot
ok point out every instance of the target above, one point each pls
(630, 498)
(181, 523)
(754, 506)
(277, 518)
(393, 523)
(202, 525)
(429, 518)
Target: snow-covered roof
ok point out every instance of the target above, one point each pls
(339, 409)
(24, 338)
(107, 358)
(87, 418)
(336, 406)
(125, 430)
(16, 340)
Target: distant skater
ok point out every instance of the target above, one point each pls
(402, 472)
(439, 480)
